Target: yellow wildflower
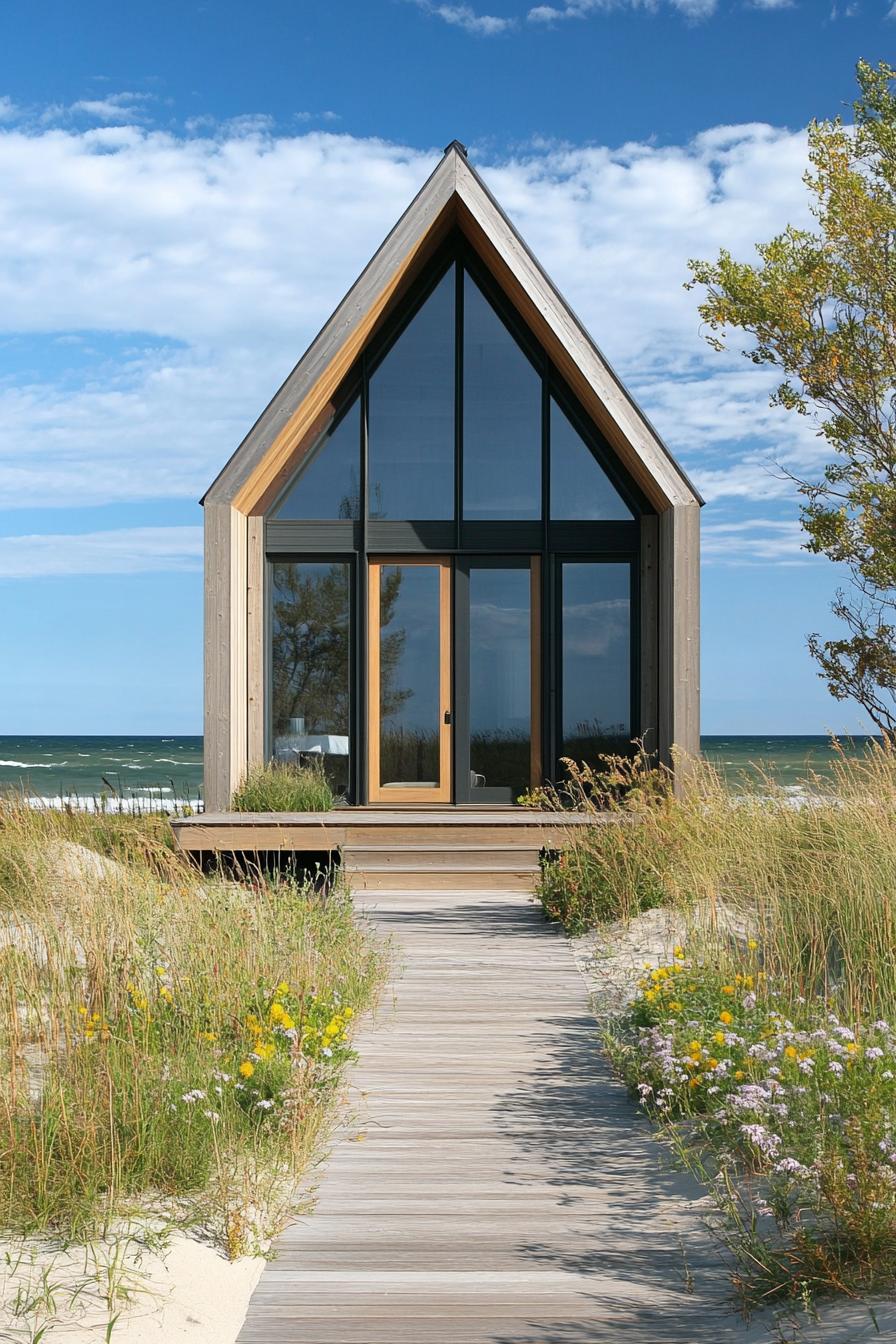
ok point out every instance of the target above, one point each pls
(82, 1010)
(678, 952)
(739, 1075)
(852, 1048)
(726, 1017)
(712, 1063)
(791, 1051)
(165, 993)
(650, 995)
(719, 1038)
(277, 1012)
(752, 944)
(282, 988)
(694, 1082)
(695, 1046)
(674, 1006)
(727, 989)
(348, 1014)
(286, 1022)
(247, 1068)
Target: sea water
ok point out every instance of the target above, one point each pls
(138, 772)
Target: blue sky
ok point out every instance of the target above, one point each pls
(189, 189)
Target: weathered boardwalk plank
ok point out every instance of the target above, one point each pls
(492, 1184)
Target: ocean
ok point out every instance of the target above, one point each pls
(153, 771)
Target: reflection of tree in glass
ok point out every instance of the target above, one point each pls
(310, 645)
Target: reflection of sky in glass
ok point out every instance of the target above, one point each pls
(596, 640)
(499, 650)
(411, 416)
(327, 486)
(415, 616)
(580, 488)
(502, 417)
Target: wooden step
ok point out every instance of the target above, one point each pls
(442, 879)
(485, 858)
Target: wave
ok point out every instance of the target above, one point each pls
(35, 765)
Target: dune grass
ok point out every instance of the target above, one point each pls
(170, 1043)
(280, 787)
(768, 1045)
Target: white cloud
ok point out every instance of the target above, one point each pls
(753, 541)
(464, 16)
(8, 109)
(201, 265)
(116, 107)
(581, 9)
(136, 550)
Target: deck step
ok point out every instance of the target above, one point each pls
(481, 857)
(442, 879)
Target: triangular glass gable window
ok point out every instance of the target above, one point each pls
(327, 486)
(502, 417)
(410, 450)
(580, 488)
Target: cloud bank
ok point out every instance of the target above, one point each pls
(157, 287)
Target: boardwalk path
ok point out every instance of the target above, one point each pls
(504, 1191)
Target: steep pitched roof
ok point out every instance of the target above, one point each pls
(453, 196)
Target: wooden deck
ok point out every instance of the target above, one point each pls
(492, 1184)
(362, 827)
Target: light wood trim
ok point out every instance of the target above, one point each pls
(375, 790)
(255, 641)
(535, 767)
(226, 699)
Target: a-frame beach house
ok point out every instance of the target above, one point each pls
(452, 551)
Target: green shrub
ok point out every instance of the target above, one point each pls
(279, 787)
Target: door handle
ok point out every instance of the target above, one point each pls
(447, 716)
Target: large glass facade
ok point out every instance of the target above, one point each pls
(310, 665)
(504, 627)
(411, 416)
(502, 417)
(595, 664)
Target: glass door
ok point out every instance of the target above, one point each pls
(498, 678)
(409, 680)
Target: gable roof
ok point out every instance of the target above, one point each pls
(453, 196)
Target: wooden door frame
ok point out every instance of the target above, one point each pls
(376, 792)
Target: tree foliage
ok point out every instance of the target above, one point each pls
(821, 307)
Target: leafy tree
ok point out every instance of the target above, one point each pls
(821, 307)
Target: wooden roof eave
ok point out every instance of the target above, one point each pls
(453, 194)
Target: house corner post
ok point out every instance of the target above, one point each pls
(225, 653)
(679, 634)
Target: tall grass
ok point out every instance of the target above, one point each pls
(818, 879)
(168, 1042)
(280, 787)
